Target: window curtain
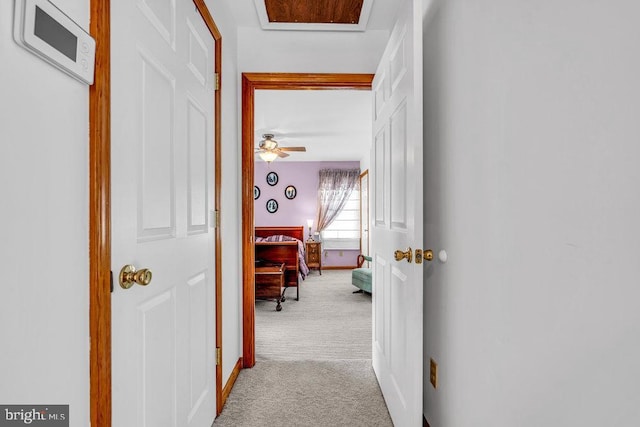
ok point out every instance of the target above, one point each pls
(334, 189)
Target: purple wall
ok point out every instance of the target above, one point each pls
(303, 176)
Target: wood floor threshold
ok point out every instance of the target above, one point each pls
(231, 381)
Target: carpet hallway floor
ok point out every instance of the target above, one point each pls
(313, 361)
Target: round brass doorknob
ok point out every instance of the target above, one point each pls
(400, 255)
(129, 276)
(428, 254)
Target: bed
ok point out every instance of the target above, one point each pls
(274, 245)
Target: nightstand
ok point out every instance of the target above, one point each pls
(314, 255)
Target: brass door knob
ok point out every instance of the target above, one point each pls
(426, 254)
(400, 255)
(129, 276)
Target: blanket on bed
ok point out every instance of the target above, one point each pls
(304, 270)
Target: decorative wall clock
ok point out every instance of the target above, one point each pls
(272, 178)
(290, 192)
(272, 206)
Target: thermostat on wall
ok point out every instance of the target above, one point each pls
(44, 30)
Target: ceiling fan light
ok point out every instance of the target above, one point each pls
(268, 142)
(268, 156)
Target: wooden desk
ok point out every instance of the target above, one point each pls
(269, 281)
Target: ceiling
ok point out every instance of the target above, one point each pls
(332, 125)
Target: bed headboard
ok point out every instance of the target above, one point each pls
(295, 231)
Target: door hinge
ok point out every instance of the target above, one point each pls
(216, 81)
(216, 218)
(218, 356)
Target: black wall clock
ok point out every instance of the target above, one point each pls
(290, 192)
(272, 178)
(256, 192)
(272, 206)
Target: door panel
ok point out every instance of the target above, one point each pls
(158, 321)
(156, 200)
(398, 172)
(379, 202)
(197, 360)
(163, 359)
(161, 14)
(364, 214)
(198, 55)
(397, 201)
(380, 92)
(197, 168)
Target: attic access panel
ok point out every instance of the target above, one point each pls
(314, 12)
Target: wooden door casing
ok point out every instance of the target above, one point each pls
(273, 81)
(99, 211)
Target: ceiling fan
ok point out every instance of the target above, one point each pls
(268, 149)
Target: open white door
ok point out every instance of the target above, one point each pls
(397, 218)
(163, 334)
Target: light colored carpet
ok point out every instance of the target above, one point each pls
(329, 322)
(306, 394)
(313, 362)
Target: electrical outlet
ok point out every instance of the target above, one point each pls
(341, 253)
(433, 373)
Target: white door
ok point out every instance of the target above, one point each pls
(163, 334)
(397, 218)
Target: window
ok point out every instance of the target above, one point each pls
(344, 231)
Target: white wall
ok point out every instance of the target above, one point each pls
(310, 52)
(365, 160)
(44, 305)
(231, 200)
(531, 184)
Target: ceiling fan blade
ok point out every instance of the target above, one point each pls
(281, 154)
(293, 148)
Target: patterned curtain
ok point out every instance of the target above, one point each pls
(334, 190)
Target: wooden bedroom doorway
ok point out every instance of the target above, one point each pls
(272, 81)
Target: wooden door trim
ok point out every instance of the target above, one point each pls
(100, 218)
(217, 36)
(274, 81)
(100, 212)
